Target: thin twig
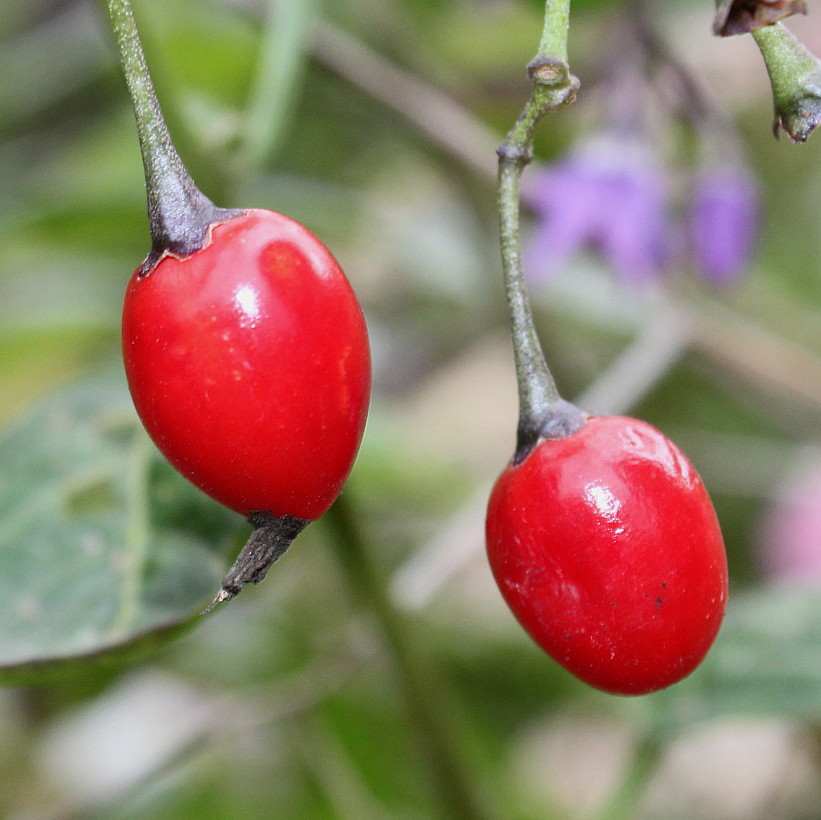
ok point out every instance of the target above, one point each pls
(439, 116)
(756, 353)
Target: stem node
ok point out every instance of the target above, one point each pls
(514, 153)
(550, 71)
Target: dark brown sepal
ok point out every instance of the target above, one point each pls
(743, 16)
(269, 541)
(191, 235)
(561, 420)
(181, 218)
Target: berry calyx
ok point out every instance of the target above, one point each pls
(606, 548)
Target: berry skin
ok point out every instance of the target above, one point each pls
(249, 365)
(606, 547)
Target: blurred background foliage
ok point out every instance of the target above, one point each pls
(376, 672)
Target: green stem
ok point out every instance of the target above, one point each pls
(426, 706)
(556, 28)
(795, 75)
(179, 214)
(542, 411)
(785, 57)
(282, 57)
(643, 764)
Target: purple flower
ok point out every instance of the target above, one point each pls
(724, 223)
(790, 537)
(608, 194)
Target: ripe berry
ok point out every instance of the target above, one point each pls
(600, 534)
(606, 547)
(248, 363)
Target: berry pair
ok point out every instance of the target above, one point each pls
(247, 357)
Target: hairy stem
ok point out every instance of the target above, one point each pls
(556, 28)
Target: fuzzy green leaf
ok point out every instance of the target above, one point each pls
(103, 548)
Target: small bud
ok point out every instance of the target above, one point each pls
(743, 16)
(723, 222)
(795, 75)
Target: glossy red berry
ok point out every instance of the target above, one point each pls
(249, 366)
(607, 549)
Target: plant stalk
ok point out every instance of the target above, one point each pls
(179, 214)
(556, 29)
(542, 411)
(795, 76)
(455, 794)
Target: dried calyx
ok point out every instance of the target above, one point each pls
(743, 16)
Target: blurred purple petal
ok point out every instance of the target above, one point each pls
(724, 223)
(635, 236)
(790, 542)
(607, 194)
(566, 198)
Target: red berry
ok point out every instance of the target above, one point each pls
(249, 366)
(607, 549)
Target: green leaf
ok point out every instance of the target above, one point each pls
(36, 358)
(766, 661)
(104, 549)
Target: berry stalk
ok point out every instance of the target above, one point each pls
(426, 700)
(542, 411)
(179, 214)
